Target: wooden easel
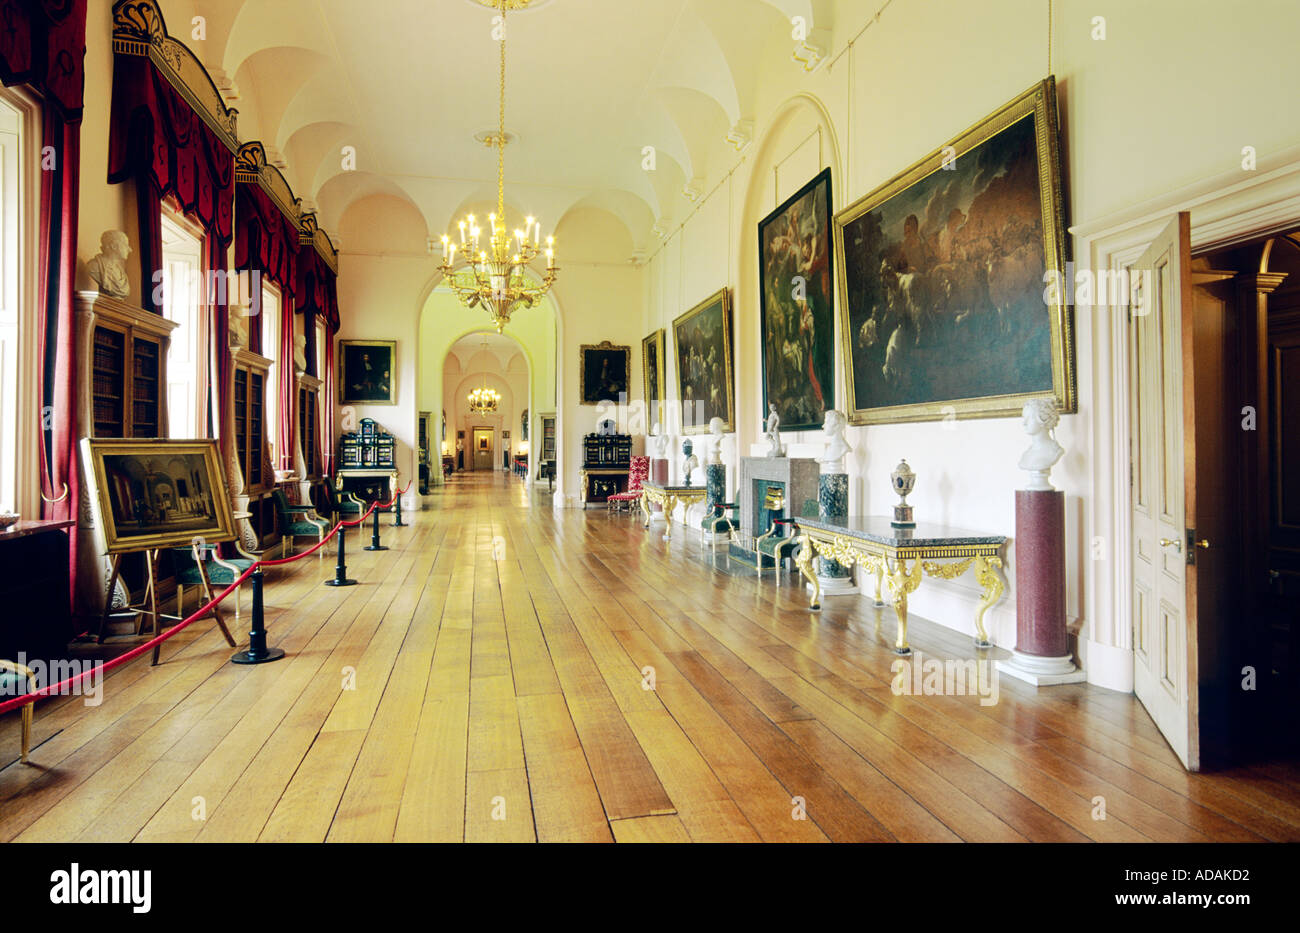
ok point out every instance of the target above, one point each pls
(151, 597)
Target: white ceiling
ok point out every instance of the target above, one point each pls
(502, 349)
(409, 83)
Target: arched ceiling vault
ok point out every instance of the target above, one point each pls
(386, 97)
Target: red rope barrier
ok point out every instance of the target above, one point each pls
(60, 688)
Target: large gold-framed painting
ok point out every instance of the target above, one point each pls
(702, 347)
(945, 306)
(151, 493)
(652, 367)
(795, 303)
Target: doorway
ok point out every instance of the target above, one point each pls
(1215, 496)
(483, 448)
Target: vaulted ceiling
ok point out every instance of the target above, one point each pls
(409, 83)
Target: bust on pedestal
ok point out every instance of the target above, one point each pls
(833, 500)
(1042, 653)
(715, 481)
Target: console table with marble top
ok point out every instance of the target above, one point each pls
(899, 557)
(669, 497)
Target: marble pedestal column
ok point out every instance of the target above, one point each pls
(715, 485)
(658, 474)
(833, 505)
(1042, 653)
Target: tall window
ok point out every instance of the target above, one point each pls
(183, 286)
(270, 324)
(19, 394)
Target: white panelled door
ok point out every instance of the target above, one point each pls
(1164, 489)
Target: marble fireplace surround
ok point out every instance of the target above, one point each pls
(797, 474)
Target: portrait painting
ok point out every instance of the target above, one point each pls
(652, 368)
(603, 372)
(366, 369)
(149, 493)
(943, 302)
(795, 298)
(702, 346)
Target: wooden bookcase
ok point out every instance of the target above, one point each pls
(251, 378)
(123, 378)
(309, 426)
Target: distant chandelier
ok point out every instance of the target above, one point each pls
(491, 275)
(483, 400)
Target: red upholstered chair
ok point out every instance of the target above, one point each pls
(638, 472)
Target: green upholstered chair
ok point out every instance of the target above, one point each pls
(777, 543)
(297, 521)
(15, 680)
(341, 504)
(716, 520)
(214, 571)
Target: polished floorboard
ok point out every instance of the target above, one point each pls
(510, 673)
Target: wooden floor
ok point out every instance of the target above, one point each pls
(489, 678)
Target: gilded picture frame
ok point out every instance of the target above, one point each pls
(945, 309)
(149, 493)
(796, 273)
(702, 349)
(367, 372)
(604, 373)
(652, 367)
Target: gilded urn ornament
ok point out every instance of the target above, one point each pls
(903, 479)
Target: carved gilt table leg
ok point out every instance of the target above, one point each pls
(645, 507)
(901, 582)
(987, 574)
(804, 558)
(670, 504)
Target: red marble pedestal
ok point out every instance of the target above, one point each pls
(1042, 655)
(658, 474)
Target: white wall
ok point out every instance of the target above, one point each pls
(1170, 96)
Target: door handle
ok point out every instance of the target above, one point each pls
(1203, 543)
(1172, 542)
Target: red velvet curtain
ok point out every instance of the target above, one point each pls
(43, 45)
(329, 392)
(157, 140)
(266, 243)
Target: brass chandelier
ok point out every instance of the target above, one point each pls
(491, 274)
(483, 400)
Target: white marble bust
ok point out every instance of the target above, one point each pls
(773, 435)
(658, 443)
(713, 454)
(300, 353)
(237, 322)
(837, 448)
(108, 268)
(1039, 419)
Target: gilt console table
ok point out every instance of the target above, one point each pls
(899, 557)
(669, 497)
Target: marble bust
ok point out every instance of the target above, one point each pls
(300, 353)
(837, 448)
(773, 434)
(713, 454)
(689, 461)
(1039, 418)
(658, 443)
(108, 268)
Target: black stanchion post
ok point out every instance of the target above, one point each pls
(257, 652)
(397, 504)
(374, 534)
(341, 566)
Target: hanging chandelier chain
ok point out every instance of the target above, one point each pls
(501, 126)
(491, 273)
